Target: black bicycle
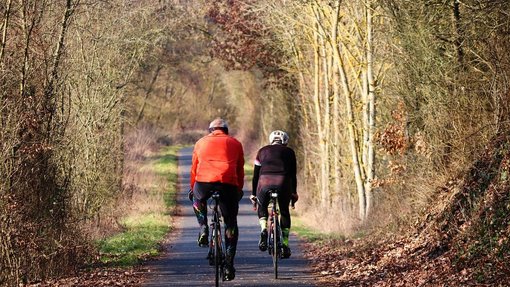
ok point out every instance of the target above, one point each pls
(275, 232)
(216, 254)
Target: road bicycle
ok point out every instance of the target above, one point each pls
(275, 236)
(216, 253)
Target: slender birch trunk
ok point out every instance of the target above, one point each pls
(325, 156)
(336, 103)
(370, 164)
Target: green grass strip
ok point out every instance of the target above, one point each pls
(312, 235)
(167, 166)
(140, 240)
(143, 232)
(248, 170)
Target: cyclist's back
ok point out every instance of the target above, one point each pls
(277, 159)
(217, 157)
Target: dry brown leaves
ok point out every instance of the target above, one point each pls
(380, 263)
(99, 277)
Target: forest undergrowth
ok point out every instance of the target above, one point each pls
(462, 241)
(134, 232)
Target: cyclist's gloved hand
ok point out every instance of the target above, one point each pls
(190, 194)
(253, 199)
(294, 197)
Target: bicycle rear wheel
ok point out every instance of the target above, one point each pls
(276, 249)
(217, 255)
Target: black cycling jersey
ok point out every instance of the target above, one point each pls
(275, 159)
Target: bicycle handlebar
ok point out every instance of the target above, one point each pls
(255, 203)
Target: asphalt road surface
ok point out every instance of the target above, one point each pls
(184, 263)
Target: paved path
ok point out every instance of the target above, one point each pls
(184, 263)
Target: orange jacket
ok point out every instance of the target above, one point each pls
(218, 157)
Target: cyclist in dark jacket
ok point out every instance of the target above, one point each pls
(275, 167)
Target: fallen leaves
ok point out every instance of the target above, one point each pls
(99, 277)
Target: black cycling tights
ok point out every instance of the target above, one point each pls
(229, 206)
(283, 201)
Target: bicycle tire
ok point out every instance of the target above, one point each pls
(217, 255)
(270, 237)
(210, 253)
(276, 249)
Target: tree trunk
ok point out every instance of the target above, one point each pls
(336, 104)
(370, 164)
(147, 93)
(459, 39)
(49, 92)
(317, 105)
(5, 25)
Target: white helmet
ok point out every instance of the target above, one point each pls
(278, 136)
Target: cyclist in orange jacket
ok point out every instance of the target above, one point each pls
(218, 164)
(275, 167)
